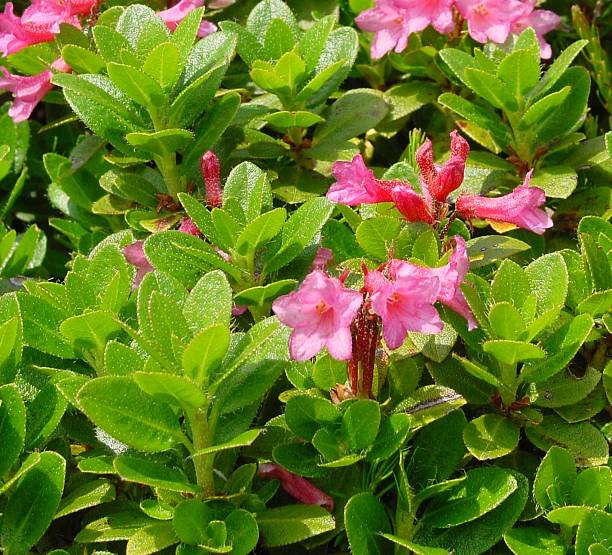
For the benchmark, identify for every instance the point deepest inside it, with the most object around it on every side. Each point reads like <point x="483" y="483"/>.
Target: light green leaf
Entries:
<point x="152" y="473"/>
<point x="294" y="523"/>
<point x="365" y="520"/>
<point x="491" y="436"/>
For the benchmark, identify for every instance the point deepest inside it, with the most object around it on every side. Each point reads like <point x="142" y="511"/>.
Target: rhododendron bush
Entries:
<point x="305" y="277"/>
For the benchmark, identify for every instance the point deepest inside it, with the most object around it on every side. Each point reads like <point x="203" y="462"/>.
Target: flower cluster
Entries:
<point x="356" y="184"/>
<point x="392" y="21"/>
<point x="322" y="311"/>
<point x="40" y="22"/>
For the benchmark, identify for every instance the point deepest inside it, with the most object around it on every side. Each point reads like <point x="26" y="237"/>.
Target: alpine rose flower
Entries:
<point x="174" y="15"/>
<point x="412" y="205"/>
<point x="521" y="207"/>
<point x="299" y="488"/>
<point x="439" y="181"/>
<point x="490" y="19"/>
<point x="451" y="277"/>
<point x="211" y="173"/>
<point x="187" y="226"/>
<point x="356" y="184"/>
<point x="28" y="90"/>
<point x="135" y="255"/>
<point x="322" y="258"/>
<point x="438" y="13"/>
<point x="390" y="24"/>
<point x="404" y="302"/>
<point x="15" y="34"/>
<point x="542" y="22"/>
<point x="320" y="312"/>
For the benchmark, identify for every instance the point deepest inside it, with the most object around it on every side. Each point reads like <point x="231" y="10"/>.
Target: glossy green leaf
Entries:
<point x="491" y="436"/>
<point x="152" y="473"/>
<point x="293" y="523"/>
<point x="365" y="520"/>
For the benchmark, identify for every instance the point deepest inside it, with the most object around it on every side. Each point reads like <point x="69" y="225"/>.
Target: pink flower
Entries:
<point x="451" y="277"/>
<point x="390" y="24"/>
<point x="299" y="488"/>
<point x="438" y="13"/>
<point x="28" y="90"/>
<point x="15" y="34"/>
<point x="356" y="184"/>
<point x="542" y="22"/>
<point x="322" y="258"/>
<point x="320" y="312"/>
<point x="521" y="207"/>
<point x="174" y="15"/>
<point x="413" y="206"/>
<point x="404" y="302"/>
<point x="211" y="172"/>
<point x="135" y="255"/>
<point x="490" y="19"/>
<point x="438" y="181"/>
<point x="187" y="226"/>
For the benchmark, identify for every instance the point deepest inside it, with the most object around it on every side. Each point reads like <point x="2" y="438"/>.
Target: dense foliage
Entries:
<point x="306" y="277"/>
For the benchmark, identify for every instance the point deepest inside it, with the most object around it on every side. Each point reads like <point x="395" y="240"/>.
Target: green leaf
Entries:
<point x="264" y="294"/>
<point x="90" y="331"/>
<point x="506" y="321"/>
<point x="486" y="119"/>
<point x="285" y="120"/>
<point x="549" y="281"/>
<point x="152" y="473"/>
<point x="12" y="426"/>
<point x="365" y="520"/>
<point x="161" y="143"/>
<point x="44" y="413"/>
<point x="360" y="423"/>
<point x="520" y="70"/>
<point x="341" y="123"/>
<point x="227" y="228"/>
<point x="186" y="32"/>
<point x="304" y="414"/>
<point x="87" y="495"/>
<point x="457" y="61"/>
<point x="190" y="520"/>
<point x="565" y="388"/>
<point x="491" y="436"/>
<point x="511" y="352"/>
<point x="531" y="540"/>
<point x="174" y="390"/>
<point x="557" y="69"/>
<point x="81" y="59"/>
<point x="413" y="547"/>
<point x="293" y="523"/>
<point x="261" y="230"/>
<point x="204" y="353"/>
<point x="143" y="29"/>
<point x="313" y="41"/>
<point x="162" y="65"/>
<point x="562" y="346"/>
<point x="242" y="440"/>
<point x="586" y="443"/>
<point x="483" y="490"/>
<point x="137" y="85"/>
<point x="151" y="539"/>
<point x="556" y="182"/>
<point x="32" y="504"/>
<point x="438" y="450"/>
<point x="109" y="42"/>
<point x="491" y="89"/>
<point x="540" y="113"/>
<point x="595" y="527"/>
<point x="264" y="13"/>
<point x="376" y="235"/>
<point x="597" y="304"/>
<point x="597" y="262"/>
<point x="593" y="487"/>
<point x="489" y="248"/>
<point x="127" y="413"/>
<point x="429" y="403"/>
<point x="242" y="531"/>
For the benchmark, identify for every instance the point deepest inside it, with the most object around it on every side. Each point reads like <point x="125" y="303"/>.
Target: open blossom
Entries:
<point x="542" y="22"/>
<point x="413" y="206"/>
<point x="355" y="184"/>
<point x="404" y="302"/>
<point x="174" y="15"/>
<point x="490" y="19"/>
<point x="438" y="181"/>
<point x="320" y="312"/>
<point x="521" y="207"/>
<point x="15" y="34"/>
<point x="392" y="21"/>
<point x="299" y="488"/>
<point x="28" y="90"/>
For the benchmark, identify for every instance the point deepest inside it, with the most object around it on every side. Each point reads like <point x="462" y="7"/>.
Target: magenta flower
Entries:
<point x="413" y="206"/>
<point x="438" y="13"/>
<point x="356" y="184"/>
<point x="437" y="181"/>
<point x="521" y="207"/>
<point x="135" y="255"/>
<point x="390" y="24"/>
<point x="490" y="19"/>
<point x="451" y="277"/>
<point x="28" y="90"/>
<point x="187" y="226"/>
<point x="404" y="302"/>
<point x="299" y="488"/>
<point x="15" y="34"/>
<point x="174" y="15"/>
<point x="322" y="259"/>
<point x="320" y="312"/>
<point x="211" y="173"/>
<point x="542" y="22"/>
